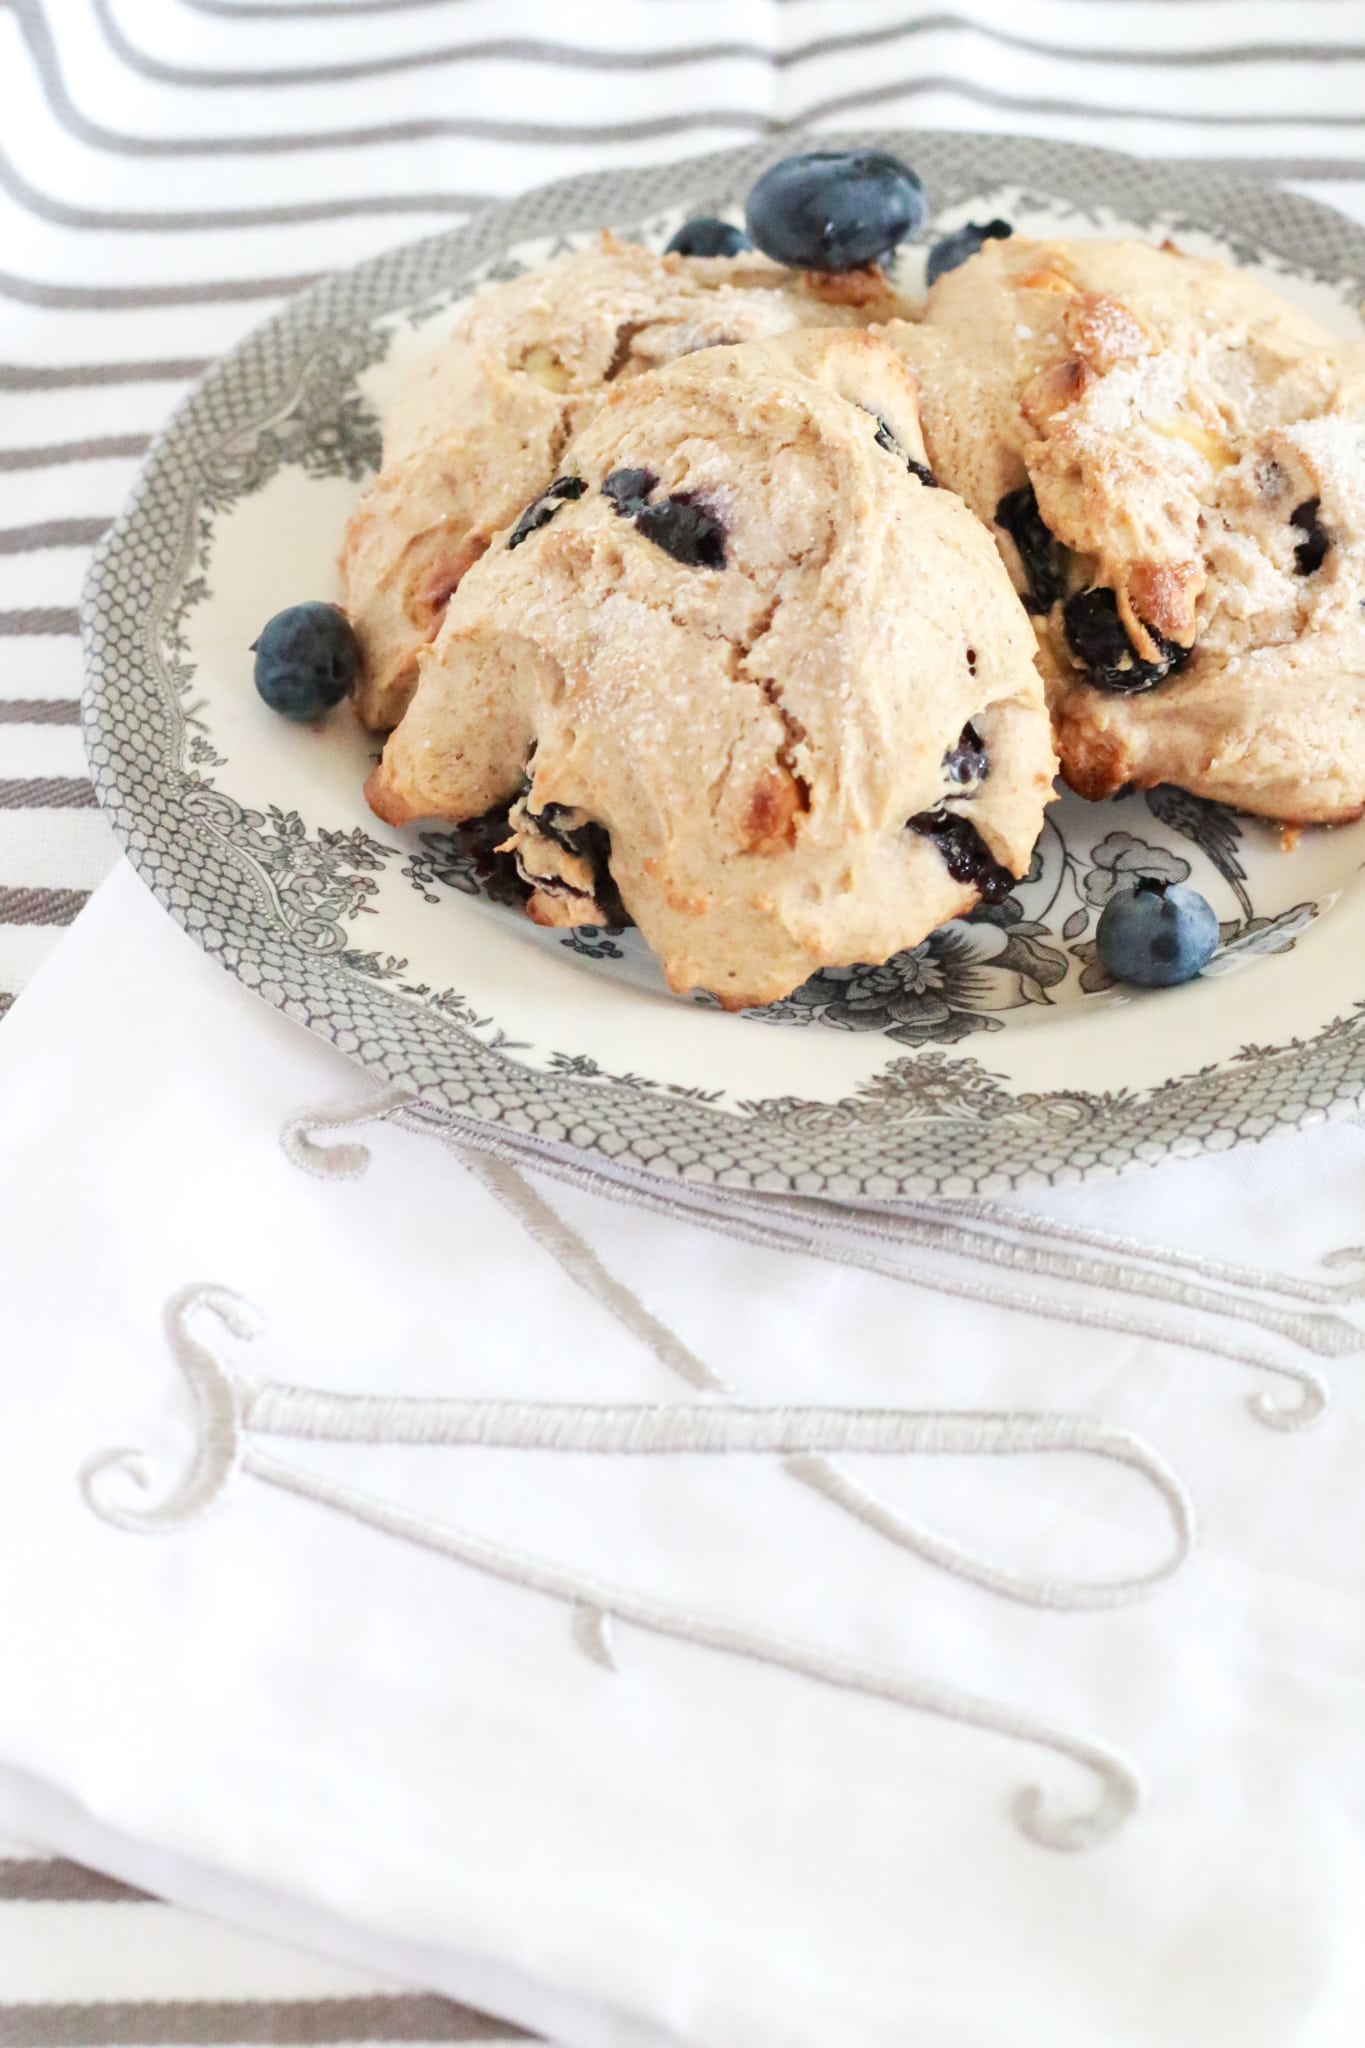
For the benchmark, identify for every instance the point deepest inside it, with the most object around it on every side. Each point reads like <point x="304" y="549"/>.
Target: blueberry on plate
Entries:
<point x="1156" y="934"/>
<point x="307" y="660"/>
<point x="708" y="236"/>
<point x="963" y="242"/>
<point x="835" y="209"/>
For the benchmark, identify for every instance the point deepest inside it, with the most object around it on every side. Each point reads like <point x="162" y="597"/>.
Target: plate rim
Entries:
<point x="932" y="1122"/>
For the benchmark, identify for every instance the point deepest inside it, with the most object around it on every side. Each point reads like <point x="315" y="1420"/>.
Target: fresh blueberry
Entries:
<point x="307" y="659"/>
<point x="835" y="209"/>
<point x="1102" y="647"/>
<point x="955" y="248"/>
<point x="1156" y="934"/>
<point x="708" y="236"/>
<point x="685" y="530"/>
<point x="1018" y="513"/>
<point x="965" y="853"/>
<point x="1311" y="552"/>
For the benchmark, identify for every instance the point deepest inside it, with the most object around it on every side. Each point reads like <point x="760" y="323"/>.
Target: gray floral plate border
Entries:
<point x="928" y="1123"/>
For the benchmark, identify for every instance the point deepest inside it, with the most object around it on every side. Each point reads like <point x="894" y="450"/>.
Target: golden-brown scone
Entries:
<point x="1173" y="458"/>
<point x="766" y="682"/>
<point x="480" y="426"/>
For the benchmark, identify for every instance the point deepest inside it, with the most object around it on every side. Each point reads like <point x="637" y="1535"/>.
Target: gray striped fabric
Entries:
<point x="169" y="171"/>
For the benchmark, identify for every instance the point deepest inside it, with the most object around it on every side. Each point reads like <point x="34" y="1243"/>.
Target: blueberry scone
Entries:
<point x="743" y="672"/>
<point x="1174" y="463"/>
<point x="481" y="425"/>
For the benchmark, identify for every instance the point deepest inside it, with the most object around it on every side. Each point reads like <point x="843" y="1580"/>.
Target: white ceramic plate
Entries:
<point x="985" y="1060"/>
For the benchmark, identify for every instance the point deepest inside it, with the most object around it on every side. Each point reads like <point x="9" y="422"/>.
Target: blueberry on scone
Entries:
<point x="1099" y="640"/>
<point x="685" y="529"/>
<point x="885" y="438"/>
<point x="756" y="679"/>
<point x="1311" y="552"/>
<point x="542" y="510"/>
<point x="629" y="490"/>
<point x="708" y="236"/>
<point x="964" y="242"/>
<point x="1040" y="559"/>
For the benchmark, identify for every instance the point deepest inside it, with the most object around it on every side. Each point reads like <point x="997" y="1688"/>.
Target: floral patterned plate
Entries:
<point x="992" y="1057"/>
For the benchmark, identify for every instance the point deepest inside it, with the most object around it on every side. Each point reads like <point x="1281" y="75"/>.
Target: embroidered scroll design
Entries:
<point x="592" y="1632"/>
<point x="218" y="1441"/>
<point x="987" y="1238"/>
<point x="344" y="1161"/>
<point x="812" y="1469"/>
<point x="233" y="1412"/>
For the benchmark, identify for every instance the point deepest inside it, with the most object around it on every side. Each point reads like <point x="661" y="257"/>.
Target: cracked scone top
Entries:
<point x="1174" y="460"/>
<point x="746" y="649"/>
<point x="481" y="423"/>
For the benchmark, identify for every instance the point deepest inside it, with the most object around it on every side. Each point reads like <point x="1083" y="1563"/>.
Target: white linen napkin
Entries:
<point x="646" y="1631"/>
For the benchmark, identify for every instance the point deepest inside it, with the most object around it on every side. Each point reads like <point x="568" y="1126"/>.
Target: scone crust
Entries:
<point x="1183" y="431"/>
<point x="482" y="423"/>
<point x="754" y="738"/>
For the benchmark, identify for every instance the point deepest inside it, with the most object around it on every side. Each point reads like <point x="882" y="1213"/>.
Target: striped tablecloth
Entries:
<point x="170" y="170"/>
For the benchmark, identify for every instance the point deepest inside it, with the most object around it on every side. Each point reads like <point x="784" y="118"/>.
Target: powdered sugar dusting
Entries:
<point x="1150" y="389"/>
<point x="1334" y="445"/>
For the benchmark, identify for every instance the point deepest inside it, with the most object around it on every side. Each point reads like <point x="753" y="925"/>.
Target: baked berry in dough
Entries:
<point x="481" y="425"/>
<point x="745" y="666"/>
<point x="1173" y="459"/>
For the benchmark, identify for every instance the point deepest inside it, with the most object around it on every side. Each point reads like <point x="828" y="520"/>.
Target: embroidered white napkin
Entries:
<point x="646" y="1631"/>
